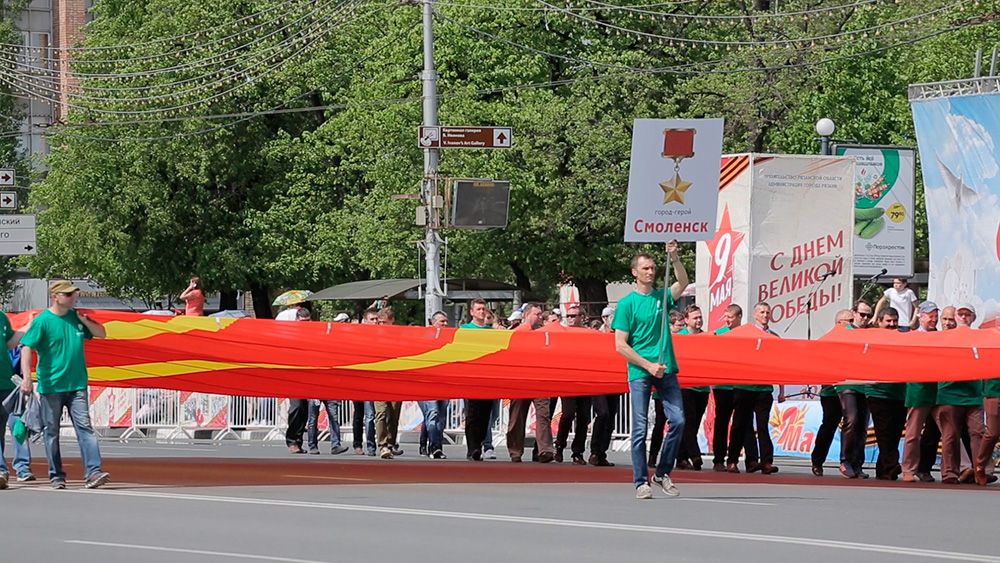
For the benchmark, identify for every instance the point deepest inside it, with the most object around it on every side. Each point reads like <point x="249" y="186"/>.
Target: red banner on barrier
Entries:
<point x="371" y="362"/>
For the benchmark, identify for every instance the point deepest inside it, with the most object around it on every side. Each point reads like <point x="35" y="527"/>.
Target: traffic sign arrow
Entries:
<point x="7" y="176"/>
<point x="7" y="200"/>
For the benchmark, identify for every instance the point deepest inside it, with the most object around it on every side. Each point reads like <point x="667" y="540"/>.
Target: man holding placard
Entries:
<point x="673" y="195"/>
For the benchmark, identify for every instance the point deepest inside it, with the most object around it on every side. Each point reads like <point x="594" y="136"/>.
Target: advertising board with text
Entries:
<point x="784" y="237"/>
<point x="673" y="180"/>
<point x="884" y="204"/>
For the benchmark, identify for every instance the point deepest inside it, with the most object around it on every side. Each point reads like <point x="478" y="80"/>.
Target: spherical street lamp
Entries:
<point x="825" y="128"/>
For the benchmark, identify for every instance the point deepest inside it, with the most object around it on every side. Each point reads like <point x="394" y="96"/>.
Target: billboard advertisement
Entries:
<point x="959" y="152"/>
<point x="884" y="200"/>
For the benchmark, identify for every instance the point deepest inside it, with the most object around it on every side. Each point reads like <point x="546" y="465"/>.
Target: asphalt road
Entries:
<point x="165" y="503"/>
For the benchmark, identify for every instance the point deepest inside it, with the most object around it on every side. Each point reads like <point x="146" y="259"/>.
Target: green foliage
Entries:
<point x="304" y="199"/>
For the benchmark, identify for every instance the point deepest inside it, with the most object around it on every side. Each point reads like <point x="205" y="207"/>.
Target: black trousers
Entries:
<point x="889" y="420"/>
<point x="298" y="415"/>
<point x="477" y="423"/>
<point x="855" y="429"/>
<point x="929" y="440"/>
<point x="695" y="403"/>
<point x="723" y="415"/>
<point x="750" y="407"/>
<point x="574" y="409"/>
<point x="605" y="411"/>
<point x="358" y="423"/>
<point x="832" y="415"/>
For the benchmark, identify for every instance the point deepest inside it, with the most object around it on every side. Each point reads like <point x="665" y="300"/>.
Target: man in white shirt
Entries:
<point x="903" y="300"/>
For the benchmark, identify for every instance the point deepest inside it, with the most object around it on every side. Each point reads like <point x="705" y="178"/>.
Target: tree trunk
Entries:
<point x="227" y="300"/>
<point x="261" y="301"/>
<point x="594" y="293"/>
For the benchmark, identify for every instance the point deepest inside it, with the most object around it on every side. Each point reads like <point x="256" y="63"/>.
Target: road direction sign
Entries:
<point x="17" y="235"/>
<point x="8" y="200"/>
<point x="464" y="137"/>
<point x="7" y="177"/>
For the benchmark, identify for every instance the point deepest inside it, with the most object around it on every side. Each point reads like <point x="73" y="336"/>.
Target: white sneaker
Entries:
<point x="643" y="491"/>
<point x="668" y="486"/>
<point x="489" y="454"/>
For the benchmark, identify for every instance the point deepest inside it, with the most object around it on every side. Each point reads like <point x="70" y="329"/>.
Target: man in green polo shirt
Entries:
<point x="752" y="404"/>
<point x="695" y="401"/>
<point x="723" y="397"/>
<point x="57" y="334"/>
<point x="887" y="403"/>
<point x="854" y="430"/>
<point x="920" y="400"/>
<point x="477" y="411"/>
<point x="641" y="339"/>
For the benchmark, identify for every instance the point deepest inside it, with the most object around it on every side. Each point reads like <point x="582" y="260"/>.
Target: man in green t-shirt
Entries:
<point x="57" y="334"/>
<point x="22" y="454"/>
<point x="641" y="339"/>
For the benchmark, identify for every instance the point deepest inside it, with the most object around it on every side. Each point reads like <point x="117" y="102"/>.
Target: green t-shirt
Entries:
<point x="992" y="387"/>
<point x="719" y="331"/>
<point x="704" y="388"/>
<point x="641" y="316"/>
<point x="827" y="391"/>
<point x="6" y="369"/>
<point x="963" y="393"/>
<point x="58" y="343"/>
<point x="921" y="394"/>
<point x="474" y="325"/>
<point x="890" y="391"/>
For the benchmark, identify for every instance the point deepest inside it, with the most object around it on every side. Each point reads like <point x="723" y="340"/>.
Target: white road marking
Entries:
<point x="192" y="551"/>
<point x="327" y="477"/>
<point x="723" y="501"/>
<point x="584" y="524"/>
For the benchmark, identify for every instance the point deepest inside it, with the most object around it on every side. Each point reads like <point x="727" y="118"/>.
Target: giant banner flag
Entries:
<point x="372" y="362"/>
<point x="785" y="237"/>
<point x="959" y="141"/>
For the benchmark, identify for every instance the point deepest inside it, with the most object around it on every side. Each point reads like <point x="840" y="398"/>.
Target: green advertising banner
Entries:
<point x="883" y="209"/>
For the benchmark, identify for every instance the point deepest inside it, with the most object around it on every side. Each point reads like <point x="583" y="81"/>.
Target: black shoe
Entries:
<point x="719" y="467"/>
<point x="697" y="463"/>
<point x="685" y="464"/>
<point x="545" y="457"/>
<point x="603" y="462"/>
<point x="438" y="454"/>
<point x="578" y="459"/>
<point x="477" y="455"/>
<point x="423" y="450"/>
<point x="559" y="455"/>
<point x="753" y="467"/>
<point x="817" y="470"/>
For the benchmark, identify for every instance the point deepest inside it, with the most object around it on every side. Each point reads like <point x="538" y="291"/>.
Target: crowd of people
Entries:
<point x="962" y="416"/>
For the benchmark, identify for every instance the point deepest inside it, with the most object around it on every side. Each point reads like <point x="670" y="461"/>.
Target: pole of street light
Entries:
<point x="432" y="241"/>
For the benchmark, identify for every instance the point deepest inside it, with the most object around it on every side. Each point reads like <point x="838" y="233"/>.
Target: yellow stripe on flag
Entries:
<point x="146" y="328"/>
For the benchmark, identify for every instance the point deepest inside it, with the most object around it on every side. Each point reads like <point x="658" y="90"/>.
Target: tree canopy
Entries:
<point x="258" y="144"/>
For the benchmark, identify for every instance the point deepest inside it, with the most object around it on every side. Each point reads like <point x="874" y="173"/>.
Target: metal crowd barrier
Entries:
<point x="163" y="414"/>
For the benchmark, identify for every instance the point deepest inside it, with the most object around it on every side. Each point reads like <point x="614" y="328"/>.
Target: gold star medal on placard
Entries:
<point x="673" y="189"/>
<point x="678" y="144"/>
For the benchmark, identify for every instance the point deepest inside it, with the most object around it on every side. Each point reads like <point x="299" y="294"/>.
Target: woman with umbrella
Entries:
<point x="293" y="299"/>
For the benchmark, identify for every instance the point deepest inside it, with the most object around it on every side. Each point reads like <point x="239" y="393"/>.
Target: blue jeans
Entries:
<point x="370" y="427"/>
<point x="76" y="403"/>
<point x="22" y="453"/>
<point x="312" y="423"/>
<point x="494" y="415"/>
<point x="673" y="408"/>
<point x="434" y="417"/>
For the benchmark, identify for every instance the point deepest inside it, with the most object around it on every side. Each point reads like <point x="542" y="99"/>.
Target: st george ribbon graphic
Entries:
<point x="394" y="363"/>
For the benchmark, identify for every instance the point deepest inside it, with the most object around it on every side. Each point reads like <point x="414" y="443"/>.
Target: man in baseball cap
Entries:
<point x="965" y="315"/>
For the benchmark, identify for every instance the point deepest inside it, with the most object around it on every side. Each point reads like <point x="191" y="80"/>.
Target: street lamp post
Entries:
<point x="825" y="128"/>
